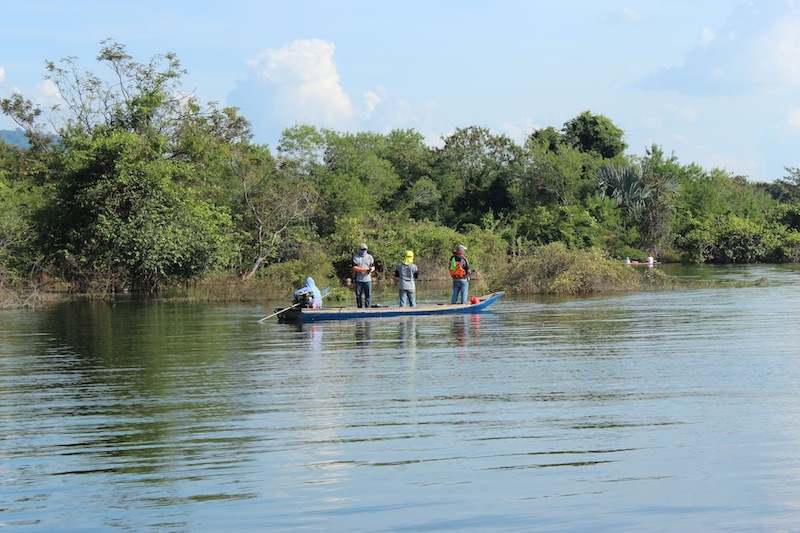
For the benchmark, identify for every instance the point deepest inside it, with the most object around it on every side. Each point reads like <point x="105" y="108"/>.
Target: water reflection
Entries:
<point x="407" y="333"/>
<point x="466" y="329"/>
<point x="573" y="414"/>
<point x="312" y="333"/>
<point x="137" y="391"/>
<point x="363" y="334"/>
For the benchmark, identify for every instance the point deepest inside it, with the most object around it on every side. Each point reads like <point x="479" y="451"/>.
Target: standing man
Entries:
<point x="459" y="271"/>
<point x="407" y="272"/>
<point x="363" y="266"/>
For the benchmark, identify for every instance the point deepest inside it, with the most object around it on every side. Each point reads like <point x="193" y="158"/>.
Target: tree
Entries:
<point x="624" y="185"/>
<point x="28" y="116"/>
<point x="786" y="189"/>
<point x="305" y="145"/>
<point x="481" y="167"/>
<point x="550" y="175"/>
<point x="349" y="176"/>
<point x="549" y="138"/>
<point x="660" y="176"/>
<point x="19" y="197"/>
<point x="141" y="98"/>
<point x="730" y="239"/>
<point x="646" y="191"/>
<point x="121" y="219"/>
<point x="594" y="133"/>
<point x="354" y="161"/>
<point x="707" y="194"/>
<point x="279" y="204"/>
<point x="412" y="161"/>
<point x="128" y="211"/>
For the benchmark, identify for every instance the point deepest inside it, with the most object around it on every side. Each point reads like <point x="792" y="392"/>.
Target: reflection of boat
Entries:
<point x="306" y="314"/>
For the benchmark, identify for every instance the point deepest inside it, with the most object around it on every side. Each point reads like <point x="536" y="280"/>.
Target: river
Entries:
<point x="659" y="411"/>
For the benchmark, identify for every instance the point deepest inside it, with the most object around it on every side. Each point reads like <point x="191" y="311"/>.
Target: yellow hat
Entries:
<point x="409" y="257"/>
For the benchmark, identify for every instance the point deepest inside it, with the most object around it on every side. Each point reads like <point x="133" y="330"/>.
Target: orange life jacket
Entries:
<point x="457" y="268"/>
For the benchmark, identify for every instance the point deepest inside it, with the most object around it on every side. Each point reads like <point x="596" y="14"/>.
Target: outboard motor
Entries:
<point x="303" y="299"/>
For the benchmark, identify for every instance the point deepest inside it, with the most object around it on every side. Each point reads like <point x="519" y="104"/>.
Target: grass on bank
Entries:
<point x="552" y="269"/>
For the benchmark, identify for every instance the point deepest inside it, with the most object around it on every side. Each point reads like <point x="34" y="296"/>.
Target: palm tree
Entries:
<point x="645" y="190"/>
<point x="624" y="184"/>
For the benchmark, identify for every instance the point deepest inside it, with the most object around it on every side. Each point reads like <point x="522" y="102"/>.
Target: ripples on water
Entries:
<point x="674" y="411"/>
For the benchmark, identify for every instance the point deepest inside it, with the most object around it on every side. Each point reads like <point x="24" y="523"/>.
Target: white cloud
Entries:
<point x="519" y="132"/>
<point x="745" y="166"/>
<point x="371" y="101"/>
<point x="49" y="92"/>
<point x="630" y="15"/>
<point x="2" y="74"/>
<point x="794" y="117"/>
<point x="707" y="36"/>
<point x="304" y="76"/>
<point x="625" y="15"/>
<point x="685" y="113"/>
<point x="754" y="51"/>
<point x="777" y="50"/>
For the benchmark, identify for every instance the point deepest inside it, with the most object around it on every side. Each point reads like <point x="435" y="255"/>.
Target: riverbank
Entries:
<point x="552" y="274"/>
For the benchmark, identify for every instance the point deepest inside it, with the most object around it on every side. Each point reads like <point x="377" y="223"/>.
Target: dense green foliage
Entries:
<point x="146" y="188"/>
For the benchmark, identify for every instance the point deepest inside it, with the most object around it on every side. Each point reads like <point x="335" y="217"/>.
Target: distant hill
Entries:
<point x="15" y="137"/>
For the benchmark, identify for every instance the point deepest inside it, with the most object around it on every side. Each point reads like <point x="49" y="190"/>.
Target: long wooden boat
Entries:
<point x="306" y="314"/>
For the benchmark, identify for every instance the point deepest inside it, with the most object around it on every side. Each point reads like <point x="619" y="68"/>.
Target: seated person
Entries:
<point x="308" y="295"/>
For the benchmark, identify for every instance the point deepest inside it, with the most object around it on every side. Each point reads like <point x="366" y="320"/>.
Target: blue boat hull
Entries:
<point x="346" y="313"/>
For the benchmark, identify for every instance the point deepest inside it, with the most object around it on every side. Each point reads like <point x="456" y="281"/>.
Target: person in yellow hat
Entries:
<point x="406" y="272"/>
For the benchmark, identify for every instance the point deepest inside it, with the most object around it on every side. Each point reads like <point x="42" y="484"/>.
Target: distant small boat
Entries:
<point x="307" y="314"/>
<point x="650" y="262"/>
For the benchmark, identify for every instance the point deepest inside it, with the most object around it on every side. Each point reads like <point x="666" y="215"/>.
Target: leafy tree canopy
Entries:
<point x="595" y="133"/>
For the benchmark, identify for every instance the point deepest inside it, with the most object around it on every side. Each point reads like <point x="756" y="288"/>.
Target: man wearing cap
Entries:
<point x="363" y="266"/>
<point x="406" y="272"/>
<point x="459" y="271"/>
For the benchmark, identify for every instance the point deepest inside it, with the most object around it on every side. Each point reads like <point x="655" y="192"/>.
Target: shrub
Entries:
<point x="554" y="269"/>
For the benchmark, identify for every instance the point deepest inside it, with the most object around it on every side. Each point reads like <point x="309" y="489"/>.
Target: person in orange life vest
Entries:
<point x="459" y="271"/>
<point x="363" y="267"/>
<point x="407" y="272"/>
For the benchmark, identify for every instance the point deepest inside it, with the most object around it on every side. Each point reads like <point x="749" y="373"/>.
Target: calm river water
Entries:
<point x="666" y="411"/>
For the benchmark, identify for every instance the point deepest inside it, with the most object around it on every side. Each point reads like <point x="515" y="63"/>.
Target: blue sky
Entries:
<point x="716" y="82"/>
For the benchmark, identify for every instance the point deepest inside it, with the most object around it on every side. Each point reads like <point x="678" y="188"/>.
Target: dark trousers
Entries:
<point x="363" y="293"/>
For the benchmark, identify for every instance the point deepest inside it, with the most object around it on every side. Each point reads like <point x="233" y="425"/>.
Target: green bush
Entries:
<point x="555" y="269"/>
<point x="788" y="249"/>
